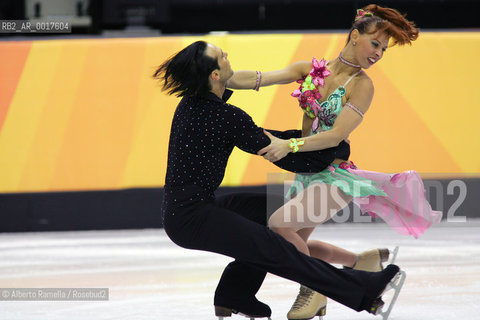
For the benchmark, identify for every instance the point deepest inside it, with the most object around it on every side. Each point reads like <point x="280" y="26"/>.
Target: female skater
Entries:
<point x="335" y="96"/>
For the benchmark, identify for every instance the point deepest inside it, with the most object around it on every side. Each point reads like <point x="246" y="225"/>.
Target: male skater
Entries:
<point x="205" y="129"/>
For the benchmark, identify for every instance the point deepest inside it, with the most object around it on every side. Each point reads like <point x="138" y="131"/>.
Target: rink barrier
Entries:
<point x="141" y="208"/>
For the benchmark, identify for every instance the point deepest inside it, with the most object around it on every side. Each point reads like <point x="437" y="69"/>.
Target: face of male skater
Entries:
<point x="370" y="47"/>
<point x="225" y="71"/>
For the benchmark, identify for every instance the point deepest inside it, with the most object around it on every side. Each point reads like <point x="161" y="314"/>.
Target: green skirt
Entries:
<point x="349" y="183"/>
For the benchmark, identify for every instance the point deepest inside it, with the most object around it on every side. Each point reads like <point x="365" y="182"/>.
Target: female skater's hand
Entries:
<point x="276" y="150"/>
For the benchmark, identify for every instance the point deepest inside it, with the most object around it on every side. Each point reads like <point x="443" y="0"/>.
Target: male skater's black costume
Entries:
<point x="204" y="131"/>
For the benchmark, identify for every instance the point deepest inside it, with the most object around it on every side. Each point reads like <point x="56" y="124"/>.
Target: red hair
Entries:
<point x="387" y="20"/>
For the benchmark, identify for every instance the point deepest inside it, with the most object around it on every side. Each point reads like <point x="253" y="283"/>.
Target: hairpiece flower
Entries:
<point x="363" y="13"/>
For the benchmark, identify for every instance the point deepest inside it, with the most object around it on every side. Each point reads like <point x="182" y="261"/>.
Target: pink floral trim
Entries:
<point x="308" y="94"/>
<point x="346" y="165"/>
<point x="319" y="72"/>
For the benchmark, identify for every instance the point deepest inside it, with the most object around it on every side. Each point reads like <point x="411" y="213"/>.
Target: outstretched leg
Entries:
<point x="209" y="227"/>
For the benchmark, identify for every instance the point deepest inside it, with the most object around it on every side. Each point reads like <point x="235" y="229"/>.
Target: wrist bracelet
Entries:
<point x="295" y="144"/>
<point x="259" y="80"/>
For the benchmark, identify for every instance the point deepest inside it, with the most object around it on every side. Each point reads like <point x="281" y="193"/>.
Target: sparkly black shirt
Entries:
<point x="204" y="131"/>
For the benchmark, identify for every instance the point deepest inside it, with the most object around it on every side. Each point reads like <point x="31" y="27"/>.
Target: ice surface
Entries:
<point x="149" y="277"/>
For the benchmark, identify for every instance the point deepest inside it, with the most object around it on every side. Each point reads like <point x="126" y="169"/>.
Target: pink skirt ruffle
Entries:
<point x="405" y="209"/>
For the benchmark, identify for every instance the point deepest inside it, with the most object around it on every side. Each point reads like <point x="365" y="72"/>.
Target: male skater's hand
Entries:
<point x="276" y="150"/>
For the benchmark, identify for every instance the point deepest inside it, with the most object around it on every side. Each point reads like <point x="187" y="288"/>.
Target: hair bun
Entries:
<point x="392" y="22"/>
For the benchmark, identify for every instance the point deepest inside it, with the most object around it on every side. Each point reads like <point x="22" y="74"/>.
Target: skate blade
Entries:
<point x="241" y="314"/>
<point x="396" y="284"/>
<point x="250" y="317"/>
<point x="253" y="318"/>
<point x="394" y="255"/>
<point x="222" y="313"/>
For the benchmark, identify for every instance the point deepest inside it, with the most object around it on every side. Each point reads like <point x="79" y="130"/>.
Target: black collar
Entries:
<point x="226" y="95"/>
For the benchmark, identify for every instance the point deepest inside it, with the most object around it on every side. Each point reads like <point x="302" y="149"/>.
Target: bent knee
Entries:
<point x="275" y="225"/>
<point x="282" y="230"/>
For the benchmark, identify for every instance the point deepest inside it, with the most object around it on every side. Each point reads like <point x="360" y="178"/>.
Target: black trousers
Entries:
<point x="235" y="226"/>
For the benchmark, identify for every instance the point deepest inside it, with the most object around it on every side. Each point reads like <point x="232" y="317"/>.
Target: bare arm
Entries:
<point x="346" y="122"/>
<point x="246" y="79"/>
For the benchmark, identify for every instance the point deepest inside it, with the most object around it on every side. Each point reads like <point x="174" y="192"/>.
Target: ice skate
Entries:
<point x="372" y="260"/>
<point x="222" y="313"/>
<point x="378" y="304"/>
<point x="252" y="310"/>
<point x="308" y="304"/>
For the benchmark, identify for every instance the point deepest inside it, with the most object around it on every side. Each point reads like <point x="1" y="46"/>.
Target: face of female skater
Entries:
<point x="225" y="71"/>
<point x="369" y="48"/>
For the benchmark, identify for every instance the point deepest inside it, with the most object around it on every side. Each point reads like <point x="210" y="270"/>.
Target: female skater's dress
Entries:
<point x="399" y="199"/>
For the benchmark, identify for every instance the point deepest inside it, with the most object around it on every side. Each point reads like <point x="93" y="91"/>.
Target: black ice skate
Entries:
<point x="252" y="309"/>
<point x="222" y="312"/>
<point x="396" y="285"/>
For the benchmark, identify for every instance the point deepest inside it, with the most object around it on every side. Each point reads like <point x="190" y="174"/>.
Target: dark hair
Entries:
<point x="186" y="72"/>
<point x="387" y="20"/>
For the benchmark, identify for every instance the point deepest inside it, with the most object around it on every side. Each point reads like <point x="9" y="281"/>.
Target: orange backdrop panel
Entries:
<point x="86" y="114"/>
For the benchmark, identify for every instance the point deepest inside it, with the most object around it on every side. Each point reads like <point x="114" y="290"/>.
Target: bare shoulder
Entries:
<point x="361" y="94"/>
<point x="364" y="84"/>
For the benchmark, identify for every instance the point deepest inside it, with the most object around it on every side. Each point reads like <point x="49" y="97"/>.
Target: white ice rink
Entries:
<point x="150" y="278"/>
